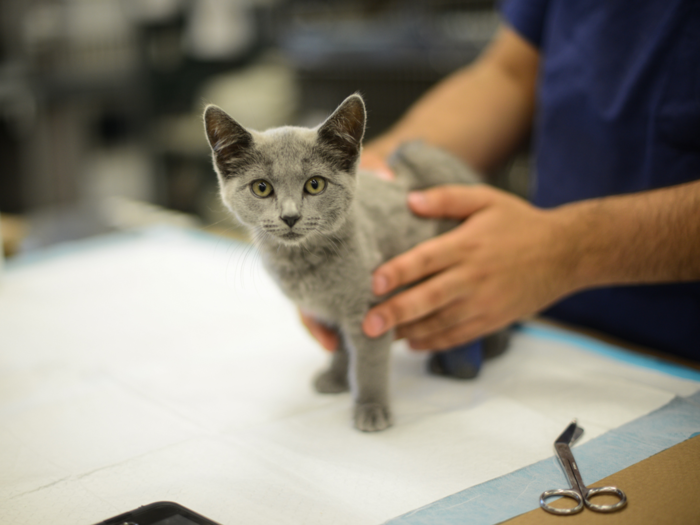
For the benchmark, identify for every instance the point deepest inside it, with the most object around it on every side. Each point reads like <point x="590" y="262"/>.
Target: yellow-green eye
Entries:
<point x="261" y="188"/>
<point x="315" y="185"/>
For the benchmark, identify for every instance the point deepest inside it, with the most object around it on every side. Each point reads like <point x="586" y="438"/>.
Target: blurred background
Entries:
<point x="101" y="100"/>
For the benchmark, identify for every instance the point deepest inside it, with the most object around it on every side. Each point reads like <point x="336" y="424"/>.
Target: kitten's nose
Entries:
<point x="291" y="220"/>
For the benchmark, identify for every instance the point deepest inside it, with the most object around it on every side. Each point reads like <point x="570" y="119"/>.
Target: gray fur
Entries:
<point x="342" y="234"/>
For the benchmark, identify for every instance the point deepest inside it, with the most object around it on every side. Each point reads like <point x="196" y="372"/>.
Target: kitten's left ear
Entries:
<point x="344" y="129"/>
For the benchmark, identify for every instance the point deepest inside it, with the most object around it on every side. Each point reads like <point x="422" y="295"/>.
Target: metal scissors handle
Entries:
<point x="578" y="491"/>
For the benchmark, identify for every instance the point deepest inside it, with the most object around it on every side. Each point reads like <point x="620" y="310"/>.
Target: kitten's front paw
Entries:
<point x="330" y="382"/>
<point x="372" y="417"/>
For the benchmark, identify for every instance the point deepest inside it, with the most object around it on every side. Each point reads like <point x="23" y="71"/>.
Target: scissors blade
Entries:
<point x="570" y="435"/>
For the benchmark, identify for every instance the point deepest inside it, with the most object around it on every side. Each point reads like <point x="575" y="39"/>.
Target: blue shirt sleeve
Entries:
<point x="526" y="17"/>
<point x="618" y="112"/>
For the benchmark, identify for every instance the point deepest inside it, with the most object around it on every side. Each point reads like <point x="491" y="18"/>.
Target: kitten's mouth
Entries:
<point x="291" y="236"/>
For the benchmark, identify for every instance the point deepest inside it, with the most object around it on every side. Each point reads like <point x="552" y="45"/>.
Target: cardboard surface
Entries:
<point x="661" y="489"/>
<point x="519" y="492"/>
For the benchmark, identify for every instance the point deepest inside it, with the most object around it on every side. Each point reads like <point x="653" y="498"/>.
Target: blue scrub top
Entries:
<point x="618" y="112"/>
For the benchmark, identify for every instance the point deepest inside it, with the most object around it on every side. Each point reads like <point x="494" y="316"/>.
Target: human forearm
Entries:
<point x="649" y="237"/>
<point x="481" y="113"/>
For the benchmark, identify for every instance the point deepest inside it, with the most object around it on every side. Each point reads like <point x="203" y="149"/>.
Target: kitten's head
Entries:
<point x="288" y="183"/>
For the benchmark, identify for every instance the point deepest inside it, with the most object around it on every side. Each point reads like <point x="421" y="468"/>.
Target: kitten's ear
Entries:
<point x="229" y="141"/>
<point x="344" y="129"/>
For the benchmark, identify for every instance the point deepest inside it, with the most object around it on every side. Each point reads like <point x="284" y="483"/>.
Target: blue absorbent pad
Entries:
<point x="611" y="351"/>
<point x="671" y="424"/>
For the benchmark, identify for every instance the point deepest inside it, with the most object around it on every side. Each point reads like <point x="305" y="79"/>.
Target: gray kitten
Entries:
<point x="322" y="227"/>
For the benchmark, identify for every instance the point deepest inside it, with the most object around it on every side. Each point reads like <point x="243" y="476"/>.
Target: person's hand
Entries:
<point x="375" y="163"/>
<point x="325" y="336"/>
<point x="502" y="263"/>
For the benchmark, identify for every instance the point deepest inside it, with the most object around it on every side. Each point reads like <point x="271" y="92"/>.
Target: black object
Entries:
<point x="461" y="362"/>
<point x="159" y="513"/>
<point x="464" y="361"/>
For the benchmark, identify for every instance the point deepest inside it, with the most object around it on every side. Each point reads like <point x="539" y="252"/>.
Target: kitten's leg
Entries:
<point x="335" y="379"/>
<point x="369" y="378"/>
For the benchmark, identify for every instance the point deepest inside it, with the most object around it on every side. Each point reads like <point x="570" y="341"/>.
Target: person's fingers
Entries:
<point x="425" y="259"/>
<point x="456" y="335"/>
<point x="416" y="302"/>
<point x="377" y="165"/>
<point x="440" y="252"/>
<point x="451" y="201"/>
<point x="325" y="336"/>
<point x="451" y="315"/>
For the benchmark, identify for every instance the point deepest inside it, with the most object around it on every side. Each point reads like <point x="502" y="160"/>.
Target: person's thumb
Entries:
<point x="451" y="201"/>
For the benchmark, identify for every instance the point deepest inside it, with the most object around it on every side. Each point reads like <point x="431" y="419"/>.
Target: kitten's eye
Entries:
<point x="261" y="188"/>
<point x="315" y="185"/>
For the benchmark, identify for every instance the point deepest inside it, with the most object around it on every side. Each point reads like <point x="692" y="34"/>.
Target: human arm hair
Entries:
<point x="641" y="238"/>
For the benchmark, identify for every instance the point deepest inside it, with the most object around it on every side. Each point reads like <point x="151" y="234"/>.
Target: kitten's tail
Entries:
<point x="420" y="165"/>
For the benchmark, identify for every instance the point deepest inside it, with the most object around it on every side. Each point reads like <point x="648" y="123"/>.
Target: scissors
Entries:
<point x="578" y="491"/>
